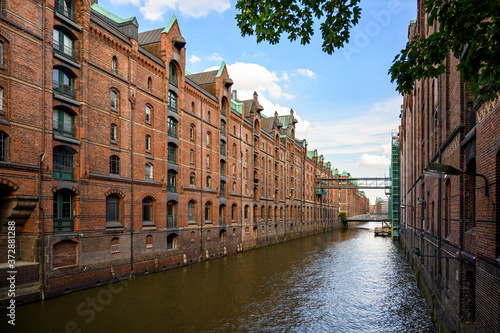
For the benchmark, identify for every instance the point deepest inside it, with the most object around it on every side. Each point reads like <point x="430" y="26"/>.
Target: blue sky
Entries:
<point x="345" y="102"/>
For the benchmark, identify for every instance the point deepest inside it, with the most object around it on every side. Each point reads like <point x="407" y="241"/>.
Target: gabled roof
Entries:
<point x="170" y="24"/>
<point x="150" y="37"/>
<point x="204" y="77"/>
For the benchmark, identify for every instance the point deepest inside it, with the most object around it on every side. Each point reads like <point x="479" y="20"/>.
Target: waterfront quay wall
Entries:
<point x="98" y="266"/>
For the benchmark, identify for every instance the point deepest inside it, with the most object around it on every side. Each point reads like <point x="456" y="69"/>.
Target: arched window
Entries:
<point x="114" y="100"/>
<point x="63" y="211"/>
<point x="222" y="168"/>
<point x="191" y="207"/>
<point x="172" y="241"/>
<point x="171" y="214"/>
<point x="234" y="187"/>
<point x="222" y="235"/>
<point x="64" y="44"/>
<point x="234" y="149"/>
<point x="222" y="148"/>
<point x="149" y="241"/>
<point x="208" y="139"/>
<point x="4" y="147"/>
<point x="172" y="74"/>
<point x="222" y="215"/>
<point x="148" y="143"/>
<point x="147" y="211"/>
<point x="148" y="114"/>
<point x="223" y="109"/>
<point x="208" y="212"/>
<point x="172" y="127"/>
<point x="208" y="118"/>
<point x="171" y="181"/>
<point x="246" y="212"/>
<point x="114" y="64"/>
<point x="192" y="132"/>
<point x="209" y="182"/>
<point x="114" y="133"/>
<point x="191" y="156"/>
<point x="1" y="89"/>
<point x="172" y="153"/>
<point x="63" y="83"/>
<point x="223" y="127"/>
<point x="208" y="161"/>
<point x="233" y="212"/>
<point x="62" y="163"/>
<point x="114" y="165"/>
<point x="193" y="109"/>
<point x="149" y="171"/>
<point x="63" y="122"/>
<point x="113" y="216"/>
<point x="222" y="189"/>
<point x="150" y="84"/>
<point x="172" y="101"/>
<point x="192" y="179"/>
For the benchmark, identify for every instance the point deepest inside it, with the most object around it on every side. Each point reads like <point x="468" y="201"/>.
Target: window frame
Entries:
<point x="114" y="165"/>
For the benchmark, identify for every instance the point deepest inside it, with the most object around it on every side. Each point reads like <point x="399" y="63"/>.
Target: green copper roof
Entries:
<point x="285" y="120"/>
<point x="109" y="14"/>
<point x="188" y="72"/>
<point x="413" y="21"/>
<point x="221" y="68"/>
<point x="344" y="174"/>
<point x="237" y="106"/>
<point x="170" y="24"/>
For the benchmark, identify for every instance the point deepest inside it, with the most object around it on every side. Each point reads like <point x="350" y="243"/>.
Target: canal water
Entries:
<point x="339" y="281"/>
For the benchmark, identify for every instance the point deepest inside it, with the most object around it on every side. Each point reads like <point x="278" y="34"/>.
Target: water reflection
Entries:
<point x="343" y="281"/>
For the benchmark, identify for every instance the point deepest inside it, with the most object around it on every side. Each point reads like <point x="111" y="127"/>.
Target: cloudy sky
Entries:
<point x="345" y="103"/>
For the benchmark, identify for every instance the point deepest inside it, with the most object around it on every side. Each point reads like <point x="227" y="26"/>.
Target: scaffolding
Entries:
<point x="395" y="196"/>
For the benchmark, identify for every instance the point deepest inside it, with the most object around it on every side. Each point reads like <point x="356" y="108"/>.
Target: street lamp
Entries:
<point x="438" y="170"/>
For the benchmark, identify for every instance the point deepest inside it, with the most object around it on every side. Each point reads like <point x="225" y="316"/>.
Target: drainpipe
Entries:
<point x="241" y="180"/>
<point x="40" y="160"/>
<point x="201" y="187"/>
<point x="132" y="108"/>
<point x="440" y="184"/>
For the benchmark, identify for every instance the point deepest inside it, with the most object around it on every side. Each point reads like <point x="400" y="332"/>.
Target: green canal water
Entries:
<point x="340" y="281"/>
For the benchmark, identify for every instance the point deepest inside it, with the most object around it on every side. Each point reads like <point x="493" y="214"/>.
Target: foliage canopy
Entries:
<point x="469" y="29"/>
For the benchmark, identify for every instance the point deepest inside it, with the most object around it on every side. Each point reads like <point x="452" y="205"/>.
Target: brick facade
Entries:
<point x="452" y="219"/>
<point x="116" y="161"/>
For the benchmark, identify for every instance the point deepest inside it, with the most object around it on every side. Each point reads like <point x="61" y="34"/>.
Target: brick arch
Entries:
<point x="116" y="192"/>
<point x="11" y="184"/>
<point x="73" y="189"/>
<point x="149" y="195"/>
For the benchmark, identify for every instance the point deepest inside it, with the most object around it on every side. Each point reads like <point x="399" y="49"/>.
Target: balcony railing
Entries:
<point x="63" y="225"/>
<point x="63" y="89"/>
<point x="63" y="128"/>
<point x="171" y="221"/>
<point x="172" y="157"/>
<point x="63" y="172"/>
<point x="171" y="188"/>
<point x="172" y="130"/>
<point x="63" y="9"/>
<point x="65" y="50"/>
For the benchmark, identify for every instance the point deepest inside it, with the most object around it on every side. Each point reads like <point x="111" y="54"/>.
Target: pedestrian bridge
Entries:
<point x="372" y="217"/>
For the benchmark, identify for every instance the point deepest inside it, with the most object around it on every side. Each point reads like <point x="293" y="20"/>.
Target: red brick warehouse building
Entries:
<point x="116" y="161"/>
<point x="453" y="221"/>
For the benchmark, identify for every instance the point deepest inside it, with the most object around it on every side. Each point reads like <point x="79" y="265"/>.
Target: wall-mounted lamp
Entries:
<point x="438" y="170"/>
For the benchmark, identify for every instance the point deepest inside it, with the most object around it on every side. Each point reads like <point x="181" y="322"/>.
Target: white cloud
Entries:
<point x="215" y="57"/>
<point x="154" y="9"/>
<point x="306" y="72"/>
<point x="374" y="161"/>
<point x="249" y="77"/>
<point x="194" y="59"/>
<point x="125" y="2"/>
